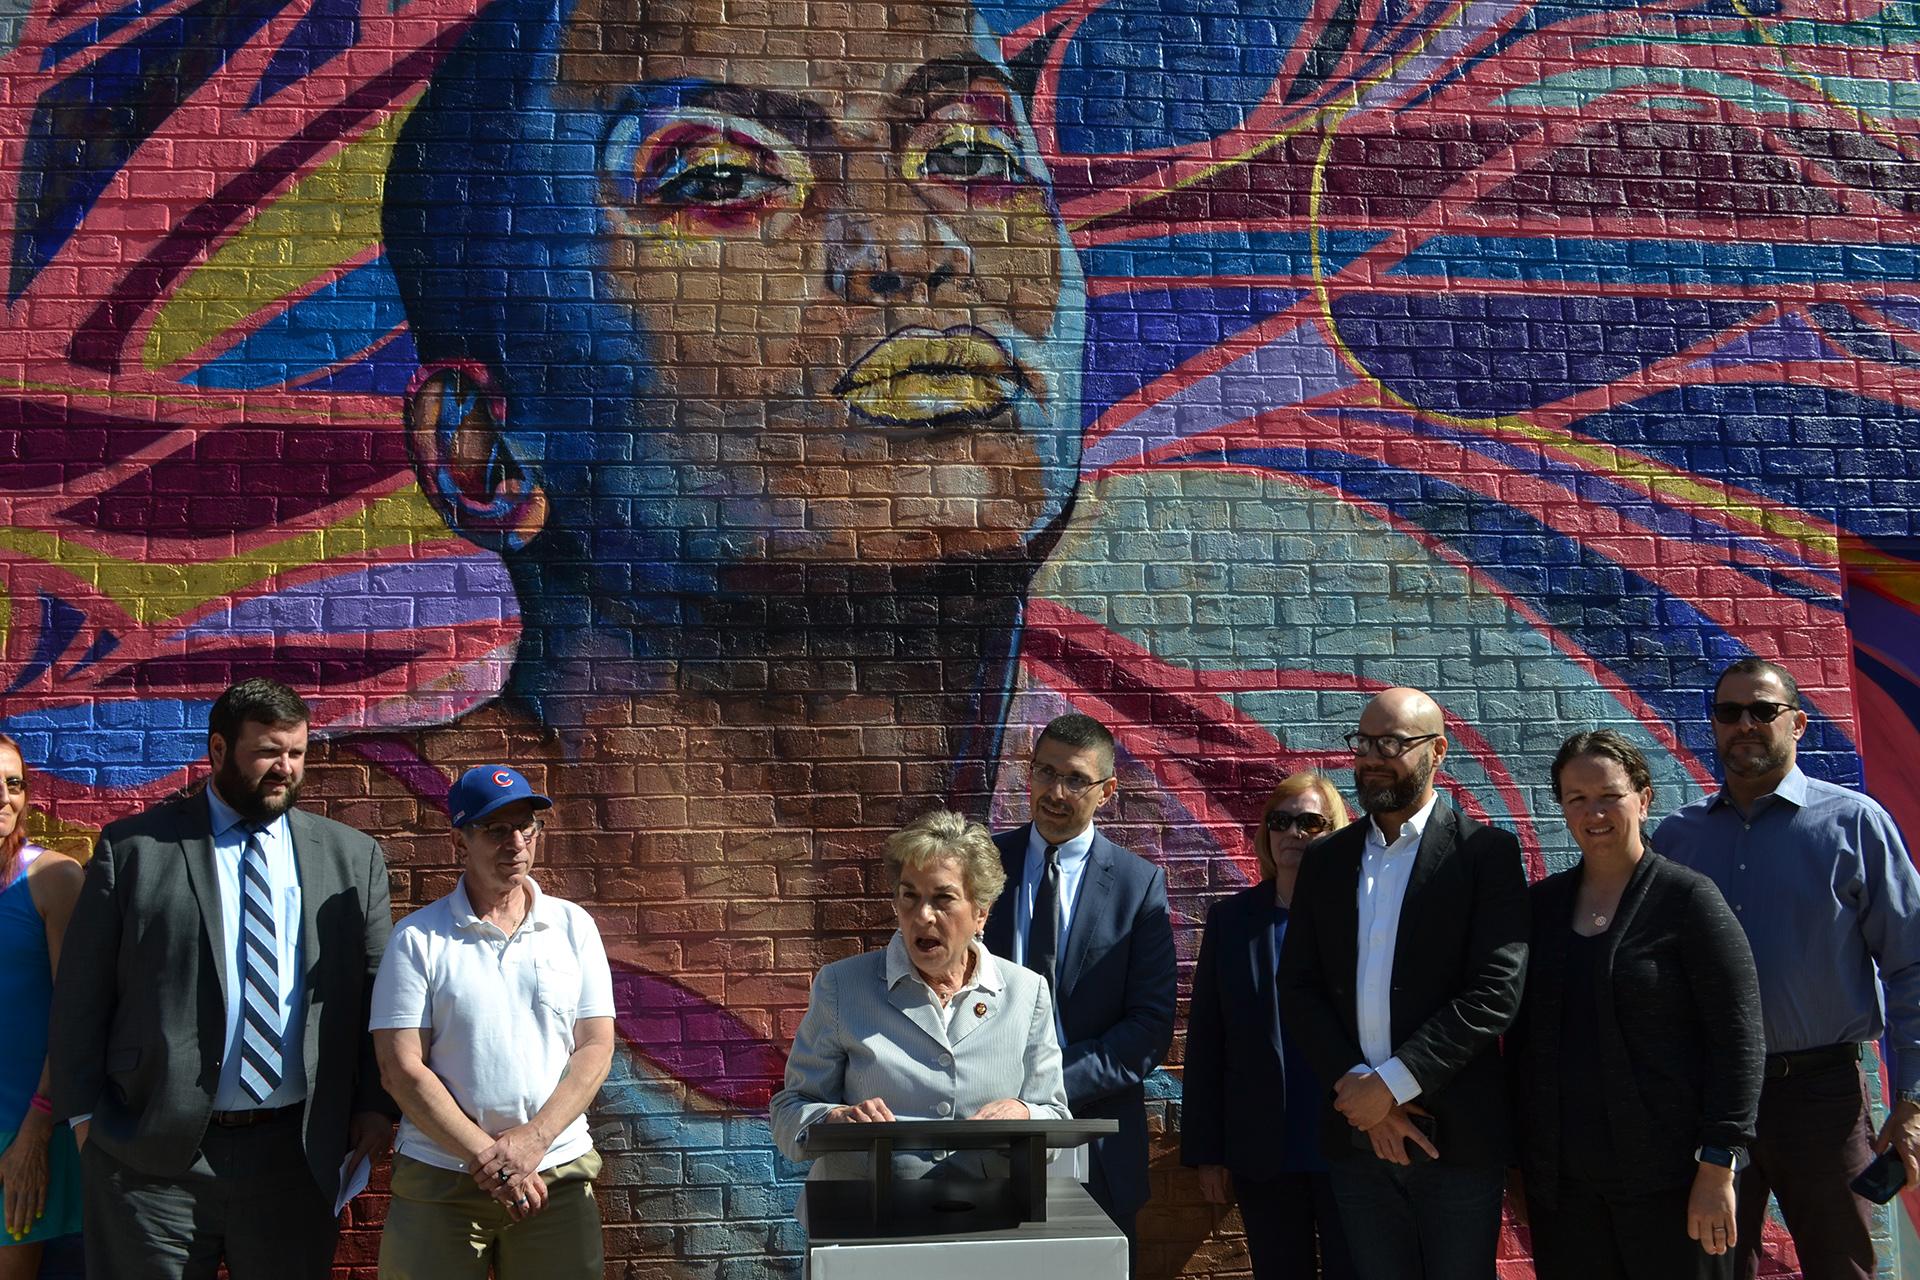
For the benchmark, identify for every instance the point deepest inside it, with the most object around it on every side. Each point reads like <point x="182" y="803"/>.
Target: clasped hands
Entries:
<point x="876" y="1111"/>
<point x="507" y="1170"/>
<point x="1368" y="1105"/>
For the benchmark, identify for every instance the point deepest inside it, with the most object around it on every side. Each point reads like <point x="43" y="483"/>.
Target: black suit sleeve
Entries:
<point x="1307" y="1011"/>
<point x="86" y="990"/>
<point x="1203" y="1082"/>
<point x="1496" y="968"/>
<point x="368" y="1094"/>
<point x="1126" y="1053"/>
<point x="1726" y="994"/>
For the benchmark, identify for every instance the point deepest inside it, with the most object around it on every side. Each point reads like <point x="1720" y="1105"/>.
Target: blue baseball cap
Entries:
<point x="487" y="787"/>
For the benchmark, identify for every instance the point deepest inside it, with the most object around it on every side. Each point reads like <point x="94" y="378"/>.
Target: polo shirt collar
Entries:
<point x="1792" y="789"/>
<point x="464" y="916"/>
<point x="986" y="972"/>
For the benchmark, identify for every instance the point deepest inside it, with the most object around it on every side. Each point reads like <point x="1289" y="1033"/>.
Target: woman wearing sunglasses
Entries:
<point x="1251" y="1121"/>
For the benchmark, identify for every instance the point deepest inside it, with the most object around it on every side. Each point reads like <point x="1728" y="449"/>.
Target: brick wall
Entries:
<point x="753" y="419"/>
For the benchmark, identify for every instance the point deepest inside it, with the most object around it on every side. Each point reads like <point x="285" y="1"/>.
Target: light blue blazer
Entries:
<point x="874" y="1030"/>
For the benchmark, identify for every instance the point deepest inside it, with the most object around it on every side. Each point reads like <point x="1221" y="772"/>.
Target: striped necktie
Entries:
<point x="260" y="1025"/>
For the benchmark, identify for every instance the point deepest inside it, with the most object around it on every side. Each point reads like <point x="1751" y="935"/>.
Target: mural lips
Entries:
<point x="922" y="377"/>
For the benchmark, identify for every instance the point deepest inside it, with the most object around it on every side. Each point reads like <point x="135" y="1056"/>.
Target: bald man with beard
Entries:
<point x="1402" y="966"/>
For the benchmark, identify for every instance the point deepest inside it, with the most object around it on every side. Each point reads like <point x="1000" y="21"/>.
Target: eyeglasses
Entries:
<point x="503" y="832"/>
<point x="1763" y="712"/>
<point x="1307" y="824"/>
<point x="1388" y="746"/>
<point x="1045" y="777"/>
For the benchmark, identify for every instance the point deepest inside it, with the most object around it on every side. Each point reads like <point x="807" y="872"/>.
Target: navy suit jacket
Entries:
<point x="1233" y="1109"/>
<point x="1115" y="992"/>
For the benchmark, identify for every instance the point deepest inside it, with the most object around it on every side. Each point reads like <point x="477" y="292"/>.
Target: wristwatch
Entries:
<point x="1908" y="1095"/>
<point x="1734" y="1158"/>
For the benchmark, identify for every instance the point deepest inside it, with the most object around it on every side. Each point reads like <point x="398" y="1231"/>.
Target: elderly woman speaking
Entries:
<point x="931" y="1026"/>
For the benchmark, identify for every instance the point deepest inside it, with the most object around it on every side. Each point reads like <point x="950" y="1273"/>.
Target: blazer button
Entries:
<point x="946" y="1059"/>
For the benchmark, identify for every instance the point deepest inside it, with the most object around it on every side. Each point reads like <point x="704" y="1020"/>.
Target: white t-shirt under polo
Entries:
<point x="498" y="1010"/>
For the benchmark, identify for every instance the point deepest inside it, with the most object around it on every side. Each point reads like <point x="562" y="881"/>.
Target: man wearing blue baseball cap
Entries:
<point x="493" y="1021"/>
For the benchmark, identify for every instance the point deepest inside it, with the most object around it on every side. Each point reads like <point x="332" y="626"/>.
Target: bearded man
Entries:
<point x="209" y="1040"/>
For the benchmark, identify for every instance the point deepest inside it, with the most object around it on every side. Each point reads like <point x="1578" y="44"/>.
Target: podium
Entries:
<point x="1021" y="1227"/>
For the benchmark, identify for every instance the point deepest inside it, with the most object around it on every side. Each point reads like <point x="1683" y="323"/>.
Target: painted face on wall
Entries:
<point x="836" y="317"/>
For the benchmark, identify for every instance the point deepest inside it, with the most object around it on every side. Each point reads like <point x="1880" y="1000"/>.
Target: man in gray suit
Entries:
<point x="209" y="1036"/>
<point x="1091" y="918"/>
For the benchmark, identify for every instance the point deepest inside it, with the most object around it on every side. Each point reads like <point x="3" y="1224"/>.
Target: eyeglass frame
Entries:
<point x="1377" y="742"/>
<point x="530" y="831"/>
<point x="1045" y="776"/>
<point x="1291" y="822"/>
<point x="1746" y="710"/>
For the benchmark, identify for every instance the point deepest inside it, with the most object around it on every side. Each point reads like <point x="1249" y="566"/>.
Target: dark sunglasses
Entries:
<point x="1307" y="824"/>
<point x="1762" y="712"/>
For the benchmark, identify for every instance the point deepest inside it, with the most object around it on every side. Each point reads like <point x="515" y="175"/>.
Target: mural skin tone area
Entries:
<point x="753" y="420"/>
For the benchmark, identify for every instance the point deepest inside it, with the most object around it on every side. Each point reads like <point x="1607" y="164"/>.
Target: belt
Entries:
<point x="259" y="1115"/>
<point x="1806" y="1062"/>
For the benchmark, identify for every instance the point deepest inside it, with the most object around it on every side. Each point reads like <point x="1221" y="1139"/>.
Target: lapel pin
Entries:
<point x="980" y="1010"/>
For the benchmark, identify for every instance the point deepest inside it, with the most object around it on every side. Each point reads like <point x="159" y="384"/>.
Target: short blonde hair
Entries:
<point x="942" y="834"/>
<point x="1290" y="786"/>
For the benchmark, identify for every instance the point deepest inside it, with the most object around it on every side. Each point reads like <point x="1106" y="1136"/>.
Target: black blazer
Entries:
<point x="1234" y="1086"/>
<point x="1115" y="992"/>
<point x="1459" y="961"/>
<point x="139" y="1019"/>
<point x="1680" y="1039"/>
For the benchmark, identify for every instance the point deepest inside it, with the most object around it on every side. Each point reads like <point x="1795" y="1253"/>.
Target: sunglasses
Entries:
<point x="1762" y="712"/>
<point x="1307" y="824"/>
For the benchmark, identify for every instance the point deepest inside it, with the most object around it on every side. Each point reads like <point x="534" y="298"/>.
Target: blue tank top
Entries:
<point x="26" y="990"/>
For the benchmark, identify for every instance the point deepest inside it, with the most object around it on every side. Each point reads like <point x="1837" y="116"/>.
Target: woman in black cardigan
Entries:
<point x="1637" y="1053"/>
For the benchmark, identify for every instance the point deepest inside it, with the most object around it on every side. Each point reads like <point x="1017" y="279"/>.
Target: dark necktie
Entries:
<point x="1043" y="931"/>
<point x="260" y="1026"/>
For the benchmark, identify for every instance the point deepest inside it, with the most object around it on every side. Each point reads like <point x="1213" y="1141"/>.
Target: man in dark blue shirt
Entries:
<point x="1821" y="881"/>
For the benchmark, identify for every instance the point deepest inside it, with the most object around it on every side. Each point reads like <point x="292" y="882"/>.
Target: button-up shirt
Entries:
<point x="283" y="884"/>
<point x="1385" y="870"/>
<point x="1073" y="869"/>
<point x="1818" y="876"/>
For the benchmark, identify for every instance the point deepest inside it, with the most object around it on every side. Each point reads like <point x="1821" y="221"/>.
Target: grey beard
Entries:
<point x="1395" y="797"/>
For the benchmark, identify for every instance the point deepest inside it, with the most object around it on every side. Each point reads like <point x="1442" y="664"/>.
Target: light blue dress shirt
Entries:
<point x="1818" y="876"/>
<point x="283" y="881"/>
<point x="1073" y="869"/>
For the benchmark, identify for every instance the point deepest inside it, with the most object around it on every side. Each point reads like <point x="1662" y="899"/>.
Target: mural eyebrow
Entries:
<point x="806" y="123"/>
<point x="952" y="75"/>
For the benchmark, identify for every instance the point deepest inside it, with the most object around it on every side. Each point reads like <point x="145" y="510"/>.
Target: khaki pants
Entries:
<point x="442" y="1227"/>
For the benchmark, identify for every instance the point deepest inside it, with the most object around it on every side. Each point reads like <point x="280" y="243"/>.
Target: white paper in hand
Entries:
<point x="353" y="1180"/>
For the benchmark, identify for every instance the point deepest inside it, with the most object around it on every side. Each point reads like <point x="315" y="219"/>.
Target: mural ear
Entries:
<point x="456" y="432"/>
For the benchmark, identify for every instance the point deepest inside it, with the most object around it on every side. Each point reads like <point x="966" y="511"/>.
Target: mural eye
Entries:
<point x="973" y="155"/>
<point x="718" y="182"/>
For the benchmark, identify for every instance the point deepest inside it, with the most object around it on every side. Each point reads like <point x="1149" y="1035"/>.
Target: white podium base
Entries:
<point x="1076" y="1240"/>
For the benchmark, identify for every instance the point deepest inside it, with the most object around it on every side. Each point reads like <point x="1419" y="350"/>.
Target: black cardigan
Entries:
<point x="1680" y="1039"/>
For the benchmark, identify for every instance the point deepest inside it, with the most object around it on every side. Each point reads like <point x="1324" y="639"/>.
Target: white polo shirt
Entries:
<point x="499" y="1011"/>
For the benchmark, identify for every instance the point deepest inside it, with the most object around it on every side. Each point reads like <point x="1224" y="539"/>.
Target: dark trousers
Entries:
<point x="1812" y="1139"/>
<point x="1591" y="1234"/>
<point x="1293" y="1228"/>
<point x="248" y="1198"/>
<point x="1430" y="1221"/>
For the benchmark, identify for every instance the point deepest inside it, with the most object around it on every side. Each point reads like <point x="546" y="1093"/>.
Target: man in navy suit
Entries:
<point x="1092" y="919"/>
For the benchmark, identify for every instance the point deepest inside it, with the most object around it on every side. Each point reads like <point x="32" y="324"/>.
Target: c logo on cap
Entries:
<point x="503" y="779"/>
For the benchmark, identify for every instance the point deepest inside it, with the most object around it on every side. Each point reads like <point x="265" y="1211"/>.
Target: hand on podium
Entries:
<point x="872" y="1111"/>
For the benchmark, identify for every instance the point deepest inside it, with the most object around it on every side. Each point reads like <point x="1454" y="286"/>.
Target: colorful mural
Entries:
<point x="757" y="416"/>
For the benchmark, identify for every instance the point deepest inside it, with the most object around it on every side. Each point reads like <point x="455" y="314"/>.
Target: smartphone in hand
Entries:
<point x="1882" y="1180"/>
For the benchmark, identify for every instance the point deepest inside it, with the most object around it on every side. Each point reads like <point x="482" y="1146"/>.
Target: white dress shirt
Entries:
<point x="1073" y="869"/>
<point x="283" y="883"/>
<point x="1385" y="870"/>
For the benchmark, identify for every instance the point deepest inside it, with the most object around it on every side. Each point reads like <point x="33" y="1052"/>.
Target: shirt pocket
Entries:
<point x="557" y="979"/>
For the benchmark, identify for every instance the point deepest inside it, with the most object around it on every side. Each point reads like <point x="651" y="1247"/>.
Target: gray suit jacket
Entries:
<point x="139" y="1019"/>
<point x="873" y="1030"/>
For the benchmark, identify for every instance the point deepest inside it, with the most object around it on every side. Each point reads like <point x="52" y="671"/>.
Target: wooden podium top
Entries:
<point x="951" y="1135"/>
